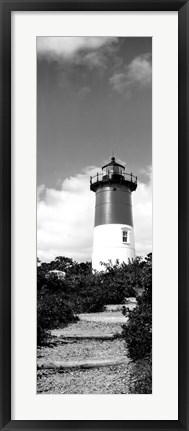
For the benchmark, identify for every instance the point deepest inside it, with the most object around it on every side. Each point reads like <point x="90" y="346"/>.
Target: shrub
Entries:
<point x="53" y="308"/>
<point x="83" y="290"/>
<point x="116" y="283"/>
<point x="138" y="330"/>
<point x="85" y="293"/>
<point x="43" y="336"/>
<point x="140" y="378"/>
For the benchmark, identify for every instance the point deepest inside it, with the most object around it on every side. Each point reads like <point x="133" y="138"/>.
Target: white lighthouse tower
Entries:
<point x="113" y="227"/>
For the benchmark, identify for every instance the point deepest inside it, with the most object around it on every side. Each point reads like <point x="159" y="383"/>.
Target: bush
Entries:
<point x="43" y="336"/>
<point x="53" y="308"/>
<point x="116" y="283"/>
<point x="91" y="291"/>
<point x="140" y="378"/>
<point x="138" y="330"/>
<point x="82" y="290"/>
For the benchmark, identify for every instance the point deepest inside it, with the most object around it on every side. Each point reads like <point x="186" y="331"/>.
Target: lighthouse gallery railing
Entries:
<point x="110" y="175"/>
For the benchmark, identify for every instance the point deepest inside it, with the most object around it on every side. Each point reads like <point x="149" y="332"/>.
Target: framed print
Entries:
<point x="94" y="215"/>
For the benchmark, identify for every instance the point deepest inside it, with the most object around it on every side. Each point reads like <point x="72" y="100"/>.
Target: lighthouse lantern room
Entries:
<point x="113" y="227"/>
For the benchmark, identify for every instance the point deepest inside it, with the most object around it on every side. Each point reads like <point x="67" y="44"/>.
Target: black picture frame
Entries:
<point x="6" y="7"/>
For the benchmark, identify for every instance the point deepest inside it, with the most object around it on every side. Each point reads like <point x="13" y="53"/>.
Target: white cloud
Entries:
<point x="136" y="75"/>
<point x="40" y="191"/>
<point x="95" y="59"/>
<point x="66" y="218"/>
<point x="142" y="214"/>
<point x="67" y="47"/>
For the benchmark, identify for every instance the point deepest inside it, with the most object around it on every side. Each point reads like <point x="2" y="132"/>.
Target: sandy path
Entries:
<point x="103" y="380"/>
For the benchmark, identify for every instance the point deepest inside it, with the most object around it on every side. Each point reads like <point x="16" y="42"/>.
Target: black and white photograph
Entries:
<point x="94" y="215"/>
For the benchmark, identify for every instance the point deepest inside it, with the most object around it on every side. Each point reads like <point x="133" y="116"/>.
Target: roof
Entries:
<point x="114" y="163"/>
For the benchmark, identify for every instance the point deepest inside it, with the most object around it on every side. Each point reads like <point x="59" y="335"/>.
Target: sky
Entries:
<point x="94" y="99"/>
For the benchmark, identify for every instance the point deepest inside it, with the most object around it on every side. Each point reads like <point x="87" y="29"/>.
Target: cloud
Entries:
<point x="74" y="59"/>
<point x="142" y="215"/>
<point x="40" y="192"/>
<point x="136" y="75"/>
<point x="95" y="59"/>
<point x="66" y="218"/>
<point x="83" y="92"/>
<point x="56" y="48"/>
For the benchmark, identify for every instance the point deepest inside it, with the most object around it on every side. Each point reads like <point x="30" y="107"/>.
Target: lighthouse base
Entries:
<point x="112" y="242"/>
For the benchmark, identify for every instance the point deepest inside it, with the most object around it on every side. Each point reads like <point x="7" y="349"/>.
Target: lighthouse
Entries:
<point x="113" y="226"/>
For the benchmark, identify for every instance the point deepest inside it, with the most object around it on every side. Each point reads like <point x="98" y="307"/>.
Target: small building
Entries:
<point x="60" y="274"/>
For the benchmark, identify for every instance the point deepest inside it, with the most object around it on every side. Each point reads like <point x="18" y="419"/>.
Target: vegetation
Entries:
<point x="80" y="290"/>
<point x="53" y="307"/>
<point x="140" y="377"/>
<point x="138" y="333"/>
<point x="138" y="330"/>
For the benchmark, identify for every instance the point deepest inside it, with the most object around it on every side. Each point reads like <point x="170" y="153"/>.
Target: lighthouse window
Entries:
<point x="125" y="235"/>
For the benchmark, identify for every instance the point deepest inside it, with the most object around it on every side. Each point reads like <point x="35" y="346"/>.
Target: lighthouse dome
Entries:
<point x="113" y="168"/>
<point x="113" y="172"/>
